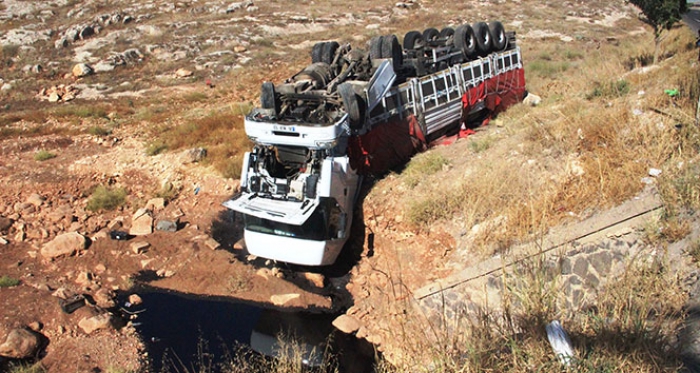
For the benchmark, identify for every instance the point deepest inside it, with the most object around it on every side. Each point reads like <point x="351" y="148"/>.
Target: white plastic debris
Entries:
<point x="654" y="172"/>
<point x="647" y="180"/>
<point x="560" y="342"/>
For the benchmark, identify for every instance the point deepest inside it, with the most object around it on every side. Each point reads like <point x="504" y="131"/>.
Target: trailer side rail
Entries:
<point x="437" y="97"/>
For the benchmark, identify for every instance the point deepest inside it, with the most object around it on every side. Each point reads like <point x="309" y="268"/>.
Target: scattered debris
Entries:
<point x="560" y="342"/>
<point x="72" y="303"/>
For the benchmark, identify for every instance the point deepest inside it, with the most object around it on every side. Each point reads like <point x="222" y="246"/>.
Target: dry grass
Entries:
<point x="423" y="165"/>
<point x="220" y="131"/>
<point x="631" y="327"/>
<point x="586" y="149"/>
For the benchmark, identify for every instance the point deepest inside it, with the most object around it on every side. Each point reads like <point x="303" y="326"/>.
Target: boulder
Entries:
<point x="104" y="298"/>
<point x="347" y="324"/>
<point x="195" y="155"/>
<point x="212" y="243"/>
<point x="156" y="204"/>
<point x="316" y="279"/>
<point x="239" y="245"/>
<point x="90" y="324"/>
<point x="20" y="344"/>
<point x="104" y="66"/>
<point x="86" y="32"/>
<point x="5" y="224"/>
<point x="32" y="69"/>
<point x="166" y="225"/>
<point x="282" y="299"/>
<point x="60" y="43"/>
<point x="54" y="97"/>
<point x="264" y="273"/>
<point x="36" y="199"/>
<point x="139" y="247"/>
<point x="65" y="244"/>
<point x="141" y="223"/>
<point x="135" y="299"/>
<point x="183" y="73"/>
<point x="82" y="69"/>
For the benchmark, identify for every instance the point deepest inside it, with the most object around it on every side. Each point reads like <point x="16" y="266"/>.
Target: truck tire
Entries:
<point x="317" y="51"/>
<point x="353" y="105"/>
<point x="483" y="38"/>
<point x="392" y="49"/>
<point x="499" y="40"/>
<point x="447" y="34"/>
<point x="413" y="40"/>
<point x="320" y="73"/>
<point x="465" y="41"/>
<point x="375" y="47"/>
<point x="328" y="52"/>
<point x="267" y="97"/>
<point x="431" y="34"/>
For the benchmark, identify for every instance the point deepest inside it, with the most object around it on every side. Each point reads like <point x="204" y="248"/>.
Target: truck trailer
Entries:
<point x="354" y="112"/>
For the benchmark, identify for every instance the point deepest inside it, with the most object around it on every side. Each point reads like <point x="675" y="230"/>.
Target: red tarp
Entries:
<point x="393" y="143"/>
<point x="386" y="146"/>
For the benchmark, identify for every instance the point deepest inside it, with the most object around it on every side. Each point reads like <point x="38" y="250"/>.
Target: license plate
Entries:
<point x="284" y="128"/>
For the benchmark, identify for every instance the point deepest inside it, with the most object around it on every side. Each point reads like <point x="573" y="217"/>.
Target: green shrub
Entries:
<point x="7" y="281"/>
<point x="156" y="148"/>
<point x="99" y="131"/>
<point x="613" y="89"/>
<point x="43" y="155"/>
<point x="104" y="198"/>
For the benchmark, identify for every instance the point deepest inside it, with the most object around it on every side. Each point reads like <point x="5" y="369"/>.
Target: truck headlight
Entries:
<point x="326" y="144"/>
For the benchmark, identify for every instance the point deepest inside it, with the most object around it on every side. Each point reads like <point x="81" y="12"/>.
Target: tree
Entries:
<point x="661" y="15"/>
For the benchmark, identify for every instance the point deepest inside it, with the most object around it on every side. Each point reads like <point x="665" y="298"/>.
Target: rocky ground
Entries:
<point x="65" y="255"/>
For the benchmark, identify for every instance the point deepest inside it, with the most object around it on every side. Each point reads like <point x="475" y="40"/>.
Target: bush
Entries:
<point x="43" y="155"/>
<point x="156" y="148"/>
<point x="104" y="198"/>
<point x="614" y="89"/>
<point x="98" y="131"/>
<point x="7" y="281"/>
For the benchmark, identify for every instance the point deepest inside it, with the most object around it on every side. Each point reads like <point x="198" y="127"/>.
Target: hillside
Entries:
<point x="128" y="117"/>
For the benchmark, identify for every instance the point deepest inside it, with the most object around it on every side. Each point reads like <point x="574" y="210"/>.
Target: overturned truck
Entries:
<point x="354" y="112"/>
